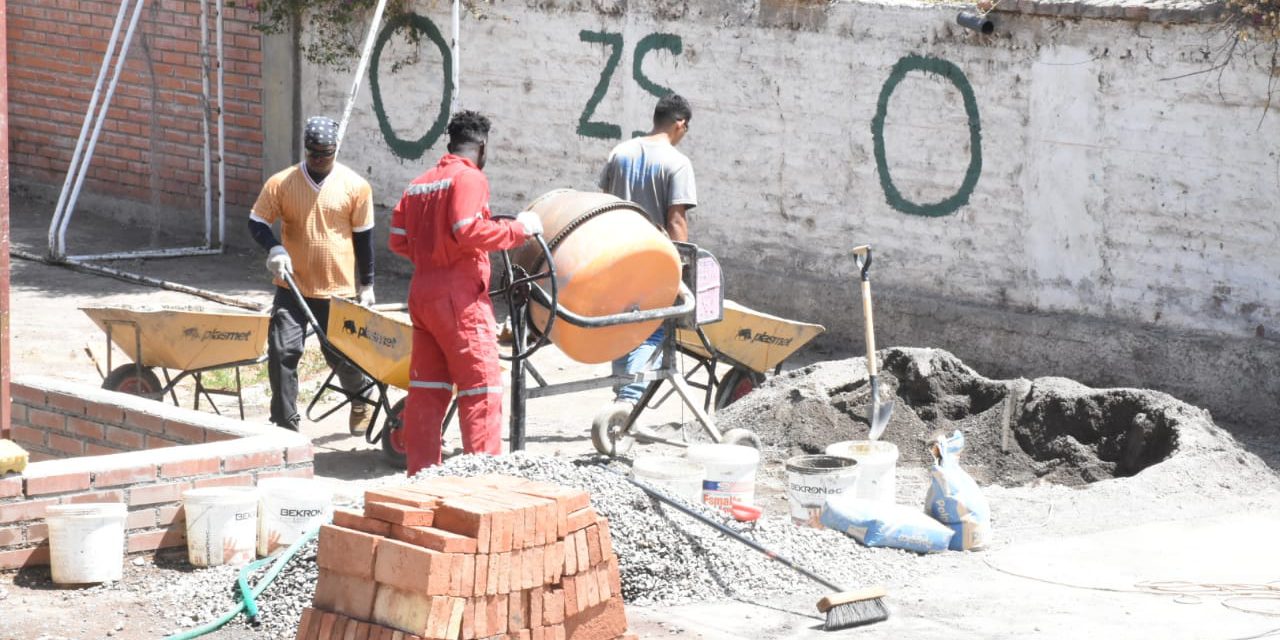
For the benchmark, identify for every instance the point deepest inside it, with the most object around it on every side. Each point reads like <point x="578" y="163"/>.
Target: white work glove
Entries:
<point x="278" y="261"/>
<point x="364" y="295"/>
<point x="531" y="222"/>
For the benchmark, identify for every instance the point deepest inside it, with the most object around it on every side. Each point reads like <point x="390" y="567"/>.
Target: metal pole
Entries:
<point x="457" y="51"/>
<point x="56" y="249"/>
<point x="4" y="228"/>
<point x="222" y="144"/>
<point x="360" y="67"/>
<point x="97" y="127"/>
<point x="519" y="336"/>
<point x="204" y="122"/>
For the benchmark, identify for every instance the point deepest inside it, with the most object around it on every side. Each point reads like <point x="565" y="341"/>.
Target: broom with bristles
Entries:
<point x="844" y="609"/>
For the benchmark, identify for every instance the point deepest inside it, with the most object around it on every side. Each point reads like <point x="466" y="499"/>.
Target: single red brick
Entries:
<point x="327" y="620"/>
<point x="130" y="475"/>
<point x="615" y="576"/>
<point x="433" y="538"/>
<point x="46" y="420"/>
<point x="86" y="429"/>
<point x="593" y="544"/>
<point x="495" y="571"/>
<point x="153" y="441"/>
<point x="27" y="436"/>
<point x="102" y="412"/>
<point x="580" y="519"/>
<point x="601" y="574"/>
<point x="170" y="514"/>
<point x="195" y="467"/>
<point x="504" y="572"/>
<point x="156" y="493"/>
<point x="152" y="540"/>
<point x="605" y="620"/>
<point x="537" y="633"/>
<point x="27" y="395"/>
<point x="518" y="611"/>
<point x="411" y="568"/>
<point x="465" y="517"/>
<point x="131" y="440"/>
<point x="570" y="548"/>
<point x="497" y="611"/>
<point x="24" y="510"/>
<point x="532" y="567"/>
<point x="348" y="595"/>
<point x="571" y="607"/>
<point x="481" y="583"/>
<point x="468" y="631"/>
<point x="115" y="495"/>
<point x="304" y="624"/>
<point x="143" y="519"/>
<point x="606" y="542"/>
<point x="71" y="447"/>
<point x="347" y="551"/>
<point x="184" y="433"/>
<point x="536" y="604"/>
<point x="553" y="606"/>
<point x="144" y="421"/>
<point x="12" y="536"/>
<point x="352" y="520"/>
<point x="455" y="574"/>
<point x="300" y="453"/>
<point x="255" y="460"/>
<point x="10" y="487"/>
<point x="401" y="609"/>
<point x="95" y="449"/>
<point x="401" y="496"/>
<point x="592" y="586"/>
<point x="584" y="554"/>
<point x="64" y="403"/>
<point x="555" y="561"/>
<point x="398" y="514"/>
<point x="468" y="586"/>
<point x="40" y="485"/>
<point x="29" y="557"/>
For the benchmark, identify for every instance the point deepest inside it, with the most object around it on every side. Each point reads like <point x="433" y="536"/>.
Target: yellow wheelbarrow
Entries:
<point x="752" y="343"/>
<point x="190" y="340"/>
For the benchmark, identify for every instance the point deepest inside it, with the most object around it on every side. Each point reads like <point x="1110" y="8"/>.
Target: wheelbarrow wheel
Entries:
<point x="734" y="384"/>
<point x="606" y="431"/>
<point x="393" y="448"/>
<point x="134" y="380"/>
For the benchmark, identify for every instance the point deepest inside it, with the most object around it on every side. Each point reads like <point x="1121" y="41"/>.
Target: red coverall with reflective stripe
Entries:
<point x="442" y="224"/>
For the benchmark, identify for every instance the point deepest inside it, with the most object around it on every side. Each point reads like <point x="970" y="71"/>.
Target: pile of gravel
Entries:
<point x="665" y="557"/>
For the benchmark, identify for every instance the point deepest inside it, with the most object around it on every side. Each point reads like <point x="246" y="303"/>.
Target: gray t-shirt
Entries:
<point x="652" y="174"/>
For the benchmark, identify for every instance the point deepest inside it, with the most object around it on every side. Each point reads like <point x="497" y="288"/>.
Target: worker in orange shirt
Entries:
<point x="443" y="224"/>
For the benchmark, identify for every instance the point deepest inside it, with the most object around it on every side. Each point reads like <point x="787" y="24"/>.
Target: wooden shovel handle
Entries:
<point x="869" y="328"/>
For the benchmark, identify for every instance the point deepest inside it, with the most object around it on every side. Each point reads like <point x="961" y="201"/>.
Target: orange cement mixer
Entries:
<point x="609" y="259"/>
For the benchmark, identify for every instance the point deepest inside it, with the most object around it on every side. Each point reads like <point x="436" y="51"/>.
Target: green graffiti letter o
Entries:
<point x="411" y="149"/>
<point x="953" y="73"/>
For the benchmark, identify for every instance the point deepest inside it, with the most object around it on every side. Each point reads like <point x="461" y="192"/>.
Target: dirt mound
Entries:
<point x="1017" y="432"/>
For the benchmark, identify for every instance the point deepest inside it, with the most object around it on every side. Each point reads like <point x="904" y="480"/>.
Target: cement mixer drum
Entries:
<point x="609" y="259"/>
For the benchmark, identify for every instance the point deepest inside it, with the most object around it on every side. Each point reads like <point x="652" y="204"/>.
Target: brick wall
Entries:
<point x="190" y="450"/>
<point x="150" y="149"/>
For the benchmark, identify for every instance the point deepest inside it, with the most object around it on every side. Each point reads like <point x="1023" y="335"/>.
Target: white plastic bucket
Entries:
<point x="86" y="542"/>
<point x="812" y="479"/>
<point x="731" y="473"/>
<point x="676" y="476"/>
<point x="222" y="525"/>
<point x="877" y="464"/>
<point x="287" y="508"/>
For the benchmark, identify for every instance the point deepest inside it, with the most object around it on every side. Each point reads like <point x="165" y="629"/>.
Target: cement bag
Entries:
<point x="876" y="523"/>
<point x="954" y="499"/>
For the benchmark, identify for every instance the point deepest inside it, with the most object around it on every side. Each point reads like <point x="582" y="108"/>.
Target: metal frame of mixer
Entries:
<point x="524" y="290"/>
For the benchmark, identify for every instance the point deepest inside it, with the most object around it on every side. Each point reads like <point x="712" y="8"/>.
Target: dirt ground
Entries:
<point x="1076" y="546"/>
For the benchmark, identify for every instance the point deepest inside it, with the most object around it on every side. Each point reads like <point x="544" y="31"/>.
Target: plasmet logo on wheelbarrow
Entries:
<point x="193" y="333"/>
<point x="746" y="335"/>
<point x="349" y="327"/>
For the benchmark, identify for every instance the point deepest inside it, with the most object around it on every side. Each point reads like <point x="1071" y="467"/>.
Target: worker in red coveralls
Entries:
<point x="442" y="224"/>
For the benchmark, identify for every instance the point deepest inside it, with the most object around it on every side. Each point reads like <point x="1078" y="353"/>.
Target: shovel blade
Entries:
<point x="880" y="411"/>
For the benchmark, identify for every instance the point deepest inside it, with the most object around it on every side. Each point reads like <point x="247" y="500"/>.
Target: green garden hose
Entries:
<point x="248" y="602"/>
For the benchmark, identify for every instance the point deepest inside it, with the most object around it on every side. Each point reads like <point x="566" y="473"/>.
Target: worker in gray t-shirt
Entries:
<point x="650" y="172"/>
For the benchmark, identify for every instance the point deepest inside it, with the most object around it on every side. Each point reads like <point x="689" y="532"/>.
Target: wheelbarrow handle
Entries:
<point x="862" y="258"/>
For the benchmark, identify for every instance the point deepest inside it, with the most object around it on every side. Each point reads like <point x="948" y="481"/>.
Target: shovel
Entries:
<point x="880" y="413"/>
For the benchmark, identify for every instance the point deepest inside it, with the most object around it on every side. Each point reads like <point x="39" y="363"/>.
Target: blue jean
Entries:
<point x="634" y="363"/>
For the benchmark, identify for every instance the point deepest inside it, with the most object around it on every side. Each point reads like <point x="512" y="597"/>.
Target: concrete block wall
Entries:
<point x="204" y="451"/>
<point x="151" y="146"/>
<point x="1073" y="195"/>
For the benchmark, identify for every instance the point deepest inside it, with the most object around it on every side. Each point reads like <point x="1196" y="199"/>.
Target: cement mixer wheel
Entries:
<point x="393" y="448"/>
<point x="741" y="436"/>
<point x="134" y="380"/>
<point x="606" y="431"/>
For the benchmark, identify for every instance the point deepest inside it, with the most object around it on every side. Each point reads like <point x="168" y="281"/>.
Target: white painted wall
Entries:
<point x="1117" y="183"/>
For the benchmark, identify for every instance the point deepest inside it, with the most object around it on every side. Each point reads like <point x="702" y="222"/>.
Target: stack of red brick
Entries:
<point x="467" y="558"/>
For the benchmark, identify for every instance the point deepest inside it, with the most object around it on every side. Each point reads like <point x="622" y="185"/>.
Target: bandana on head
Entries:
<point x="321" y="131"/>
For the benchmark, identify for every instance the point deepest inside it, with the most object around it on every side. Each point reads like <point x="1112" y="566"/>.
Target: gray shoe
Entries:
<point x="360" y="418"/>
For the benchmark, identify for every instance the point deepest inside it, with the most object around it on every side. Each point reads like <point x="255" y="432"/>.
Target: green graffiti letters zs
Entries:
<point x="652" y="42"/>
<point x="417" y="26"/>
<point x="953" y="73"/>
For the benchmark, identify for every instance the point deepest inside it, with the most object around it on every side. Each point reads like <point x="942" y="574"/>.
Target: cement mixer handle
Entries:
<point x="685" y="304"/>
